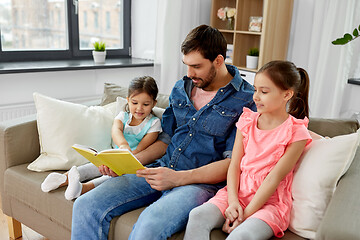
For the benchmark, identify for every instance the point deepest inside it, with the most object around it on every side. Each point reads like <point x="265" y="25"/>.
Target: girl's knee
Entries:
<point x="196" y="214"/>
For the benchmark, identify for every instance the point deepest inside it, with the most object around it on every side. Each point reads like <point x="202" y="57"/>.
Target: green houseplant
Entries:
<point x="99" y="52"/>
<point x="252" y="58"/>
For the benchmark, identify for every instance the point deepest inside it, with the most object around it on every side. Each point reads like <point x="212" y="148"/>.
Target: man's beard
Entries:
<point x="204" y="83"/>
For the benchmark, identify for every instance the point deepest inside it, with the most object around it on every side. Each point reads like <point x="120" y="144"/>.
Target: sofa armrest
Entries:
<point x="333" y="127"/>
<point x="341" y="219"/>
<point x="19" y="141"/>
<point x="19" y="144"/>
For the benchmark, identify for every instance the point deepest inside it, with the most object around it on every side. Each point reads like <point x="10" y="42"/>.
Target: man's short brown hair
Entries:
<point x="206" y="40"/>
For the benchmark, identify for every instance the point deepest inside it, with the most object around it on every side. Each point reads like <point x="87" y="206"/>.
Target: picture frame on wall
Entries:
<point x="255" y="24"/>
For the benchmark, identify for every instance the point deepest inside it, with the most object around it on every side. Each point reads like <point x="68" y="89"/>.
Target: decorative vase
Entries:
<point x="252" y="62"/>
<point x="99" y="57"/>
<point x="230" y="23"/>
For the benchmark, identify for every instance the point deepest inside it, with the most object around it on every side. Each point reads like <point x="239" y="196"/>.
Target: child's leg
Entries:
<point x="76" y="188"/>
<point x="88" y="171"/>
<point x="93" y="183"/>
<point x="97" y="181"/>
<point x="202" y="220"/>
<point x="251" y="229"/>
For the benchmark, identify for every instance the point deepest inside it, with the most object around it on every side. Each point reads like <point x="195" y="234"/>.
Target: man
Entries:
<point x="197" y="139"/>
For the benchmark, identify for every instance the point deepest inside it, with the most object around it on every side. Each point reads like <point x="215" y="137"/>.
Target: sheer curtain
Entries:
<point x="175" y="18"/>
<point x="315" y="24"/>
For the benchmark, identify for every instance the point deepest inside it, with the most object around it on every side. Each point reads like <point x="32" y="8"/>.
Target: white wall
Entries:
<point x="18" y="88"/>
<point x="301" y="29"/>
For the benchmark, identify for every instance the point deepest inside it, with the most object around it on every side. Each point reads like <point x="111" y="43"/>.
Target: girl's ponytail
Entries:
<point x="298" y="105"/>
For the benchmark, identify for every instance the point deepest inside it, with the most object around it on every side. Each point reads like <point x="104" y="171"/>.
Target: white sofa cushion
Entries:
<point x="322" y="164"/>
<point x="62" y="124"/>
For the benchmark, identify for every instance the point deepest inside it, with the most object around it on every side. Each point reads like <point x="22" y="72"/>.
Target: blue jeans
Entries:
<point x="167" y="214"/>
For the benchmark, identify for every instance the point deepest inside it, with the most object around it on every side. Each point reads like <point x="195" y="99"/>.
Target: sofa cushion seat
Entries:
<point x="24" y="185"/>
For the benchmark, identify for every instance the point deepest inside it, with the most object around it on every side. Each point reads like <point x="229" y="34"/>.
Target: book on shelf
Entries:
<point x="121" y="161"/>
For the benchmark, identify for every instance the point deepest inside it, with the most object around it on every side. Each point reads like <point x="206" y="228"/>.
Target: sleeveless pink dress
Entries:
<point x="262" y="150"/>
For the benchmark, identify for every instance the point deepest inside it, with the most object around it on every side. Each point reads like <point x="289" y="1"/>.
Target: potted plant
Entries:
<point x="99" y="52"/>
<point x="252" y="58"/>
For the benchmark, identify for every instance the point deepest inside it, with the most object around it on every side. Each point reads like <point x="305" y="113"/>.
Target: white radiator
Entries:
<point x="8" y="112"/>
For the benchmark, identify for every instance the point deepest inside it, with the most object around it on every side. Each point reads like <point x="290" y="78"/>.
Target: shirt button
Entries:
<point x="207" y="104"/>
<point x="194" y="119"/>
<point x="179" y="149"/>
<point x="180" y="104"/>
<point x="222" y="90"/>
<point x="223" y="112"/>
<point x="190" y="134"/>
<point x="171" y="165"/>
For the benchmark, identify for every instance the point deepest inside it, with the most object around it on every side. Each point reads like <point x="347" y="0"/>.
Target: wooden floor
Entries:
<point x="28" y="234"/>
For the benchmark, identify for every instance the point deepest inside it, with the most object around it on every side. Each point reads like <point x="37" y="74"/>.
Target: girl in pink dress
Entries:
<point x="257" y="200"/>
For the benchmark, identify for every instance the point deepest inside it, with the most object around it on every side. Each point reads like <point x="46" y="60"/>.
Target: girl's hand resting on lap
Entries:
<point x="234" y="217"/>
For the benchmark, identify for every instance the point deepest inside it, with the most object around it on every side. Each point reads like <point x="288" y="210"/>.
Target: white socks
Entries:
<point x="74" y="187"/>
<point x="53" y="181"/>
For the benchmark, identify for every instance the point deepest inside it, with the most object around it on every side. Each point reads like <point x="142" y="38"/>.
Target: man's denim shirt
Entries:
<point x="197" y="138"/>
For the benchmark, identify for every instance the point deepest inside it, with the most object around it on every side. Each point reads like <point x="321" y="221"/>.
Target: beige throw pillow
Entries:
<point x="62" y="124"/>
<point x="322" y="164"/>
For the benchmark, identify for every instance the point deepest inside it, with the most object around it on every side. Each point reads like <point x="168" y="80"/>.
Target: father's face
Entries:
<point x="200" y="70"/>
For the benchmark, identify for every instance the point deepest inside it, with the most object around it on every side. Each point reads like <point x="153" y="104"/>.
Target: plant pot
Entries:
<point x="252" y="62"/>
<point x="99" y="57"/>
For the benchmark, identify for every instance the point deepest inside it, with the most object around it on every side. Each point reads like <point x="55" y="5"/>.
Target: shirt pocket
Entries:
<point x="219" y="120"/>
<point x="181" y="110"/>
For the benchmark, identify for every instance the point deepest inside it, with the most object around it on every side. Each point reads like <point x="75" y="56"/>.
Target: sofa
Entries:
<point x="50" y="213"/>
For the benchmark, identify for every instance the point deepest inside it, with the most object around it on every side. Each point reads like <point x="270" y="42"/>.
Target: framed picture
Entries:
<point x="255" y="24"/>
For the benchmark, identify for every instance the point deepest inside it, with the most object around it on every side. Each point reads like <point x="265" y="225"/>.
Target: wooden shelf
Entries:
<point x="273" y="39"/>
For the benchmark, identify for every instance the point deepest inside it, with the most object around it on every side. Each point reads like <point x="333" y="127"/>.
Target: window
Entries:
<point x="62" y="29"/>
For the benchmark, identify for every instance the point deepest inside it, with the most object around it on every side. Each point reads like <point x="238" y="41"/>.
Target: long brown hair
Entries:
<point x="286" y="75"/>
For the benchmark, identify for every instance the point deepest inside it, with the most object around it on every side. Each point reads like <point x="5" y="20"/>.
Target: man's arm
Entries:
<point x="163" y="178"/>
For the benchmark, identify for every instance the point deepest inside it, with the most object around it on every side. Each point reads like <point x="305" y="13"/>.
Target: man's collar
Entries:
<point x="237" y="80"/>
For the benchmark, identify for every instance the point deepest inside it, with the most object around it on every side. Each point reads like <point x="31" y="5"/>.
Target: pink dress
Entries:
<point x="262" y="150"/>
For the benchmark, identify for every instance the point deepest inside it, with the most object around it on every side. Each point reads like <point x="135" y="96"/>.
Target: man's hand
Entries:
<point x="104" y="170"/>
<point x="160" y="178"/>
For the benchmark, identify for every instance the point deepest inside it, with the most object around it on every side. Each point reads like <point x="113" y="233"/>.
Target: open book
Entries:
<point x="121" y="161"/>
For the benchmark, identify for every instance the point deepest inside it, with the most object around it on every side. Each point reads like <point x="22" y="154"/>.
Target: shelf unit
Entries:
<point x="273" y="39"/>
